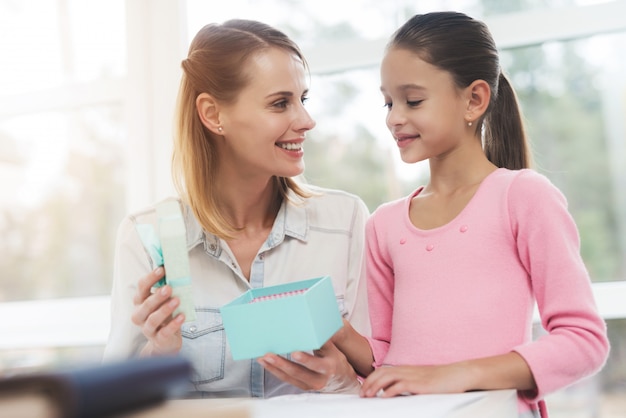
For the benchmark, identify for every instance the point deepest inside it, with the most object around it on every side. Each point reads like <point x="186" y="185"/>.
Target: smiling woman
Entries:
<point x="274" y="97"/>
<point x="250" y="223"/>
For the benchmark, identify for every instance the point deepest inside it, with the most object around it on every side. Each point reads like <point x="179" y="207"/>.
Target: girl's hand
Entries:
<point x="391" y="381"/>
<point x="153" y="313"/>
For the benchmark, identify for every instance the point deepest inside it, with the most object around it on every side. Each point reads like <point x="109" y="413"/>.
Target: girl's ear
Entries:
<point x="209" y="113"/>
<point x="478" y="97"/>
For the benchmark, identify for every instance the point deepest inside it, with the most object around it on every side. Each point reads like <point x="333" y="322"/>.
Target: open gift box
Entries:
<point x="297" y="316"/>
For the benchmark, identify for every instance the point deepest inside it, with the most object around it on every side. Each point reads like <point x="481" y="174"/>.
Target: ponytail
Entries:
<point x="505" y="140"/>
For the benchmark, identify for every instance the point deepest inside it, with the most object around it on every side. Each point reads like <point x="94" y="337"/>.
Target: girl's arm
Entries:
<point x="507" y="371"/>
<point x="576" y="343"/>
<point x="356" y="348"/>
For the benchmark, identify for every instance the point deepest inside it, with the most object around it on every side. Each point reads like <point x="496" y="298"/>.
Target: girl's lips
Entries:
<point x="404" y="140"/>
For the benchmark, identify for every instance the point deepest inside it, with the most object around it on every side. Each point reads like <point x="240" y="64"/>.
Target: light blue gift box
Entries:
<point x="292" y="322"/>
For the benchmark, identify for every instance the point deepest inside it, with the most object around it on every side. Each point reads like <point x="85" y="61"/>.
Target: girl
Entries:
<point x="455" y="268"/>
<point x="241" y="125"/>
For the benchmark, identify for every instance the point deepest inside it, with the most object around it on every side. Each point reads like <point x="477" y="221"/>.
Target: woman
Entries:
<point x="241" y="125"/>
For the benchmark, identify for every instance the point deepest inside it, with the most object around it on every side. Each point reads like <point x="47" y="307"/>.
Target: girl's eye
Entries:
<point x="414" y="103"/>
<point x="388" y="105"/>
<point x="304" y="99"/>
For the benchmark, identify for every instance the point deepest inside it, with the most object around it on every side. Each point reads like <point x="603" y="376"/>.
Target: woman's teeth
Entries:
<point x="290" y="146"/>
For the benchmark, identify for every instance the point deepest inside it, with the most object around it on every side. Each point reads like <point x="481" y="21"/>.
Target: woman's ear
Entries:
<point x="478" y="97"/>
<point x="209" y="113"/>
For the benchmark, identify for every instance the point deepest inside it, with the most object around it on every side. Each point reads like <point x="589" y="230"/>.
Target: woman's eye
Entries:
<point x="414" y="103"/>
<point x="388" y="105"/>
<point x="304" y="99"/>
<point x="282" y="104"/>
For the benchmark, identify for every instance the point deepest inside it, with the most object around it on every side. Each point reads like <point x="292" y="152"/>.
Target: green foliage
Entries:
<point x="351" y="164"/>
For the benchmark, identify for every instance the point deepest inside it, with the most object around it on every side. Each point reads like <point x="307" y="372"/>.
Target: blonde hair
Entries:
<point x="215" y="64"/>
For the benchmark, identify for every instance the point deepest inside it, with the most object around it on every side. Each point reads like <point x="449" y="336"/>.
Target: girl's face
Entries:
<point x="425" y="108"/>
<point x="265" y="128"/>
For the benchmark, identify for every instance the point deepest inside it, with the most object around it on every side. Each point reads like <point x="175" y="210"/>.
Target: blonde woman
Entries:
<point x="241" y="128"/>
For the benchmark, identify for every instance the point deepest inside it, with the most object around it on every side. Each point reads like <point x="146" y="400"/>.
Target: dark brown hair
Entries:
<point x="217" y="64"/>
<point x="464" y="47"/>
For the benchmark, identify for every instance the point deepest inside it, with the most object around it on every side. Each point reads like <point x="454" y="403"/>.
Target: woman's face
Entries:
<point x="425" y="108"/>
<point x="264" y="129"/>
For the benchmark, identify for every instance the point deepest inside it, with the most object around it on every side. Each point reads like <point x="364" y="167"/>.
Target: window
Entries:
<point x="62" y="169"/>
<point x="571" y="93"/>
<point x="61" y="146"/>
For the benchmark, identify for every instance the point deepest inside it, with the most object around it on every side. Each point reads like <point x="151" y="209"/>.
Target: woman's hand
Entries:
<point x="388" y="381"/>
<point x="327" y="370"/>
<point x="153" y="313"/>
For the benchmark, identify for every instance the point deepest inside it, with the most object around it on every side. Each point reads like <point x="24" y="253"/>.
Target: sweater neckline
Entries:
<point x="458" y="218"/>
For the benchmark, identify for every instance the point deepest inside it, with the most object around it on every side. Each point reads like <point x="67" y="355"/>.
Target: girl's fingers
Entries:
<point x="393" y="389"/>
<point x="374" y="383"/>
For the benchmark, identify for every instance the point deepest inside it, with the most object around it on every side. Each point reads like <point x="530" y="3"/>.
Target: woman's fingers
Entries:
<point x="292" y="372"/>
<point x="144" y="285"/>
<point x="154" y="310"/>
<point x="327" y="370"/>
<point x="160" y="317"/>
<point x="151" y="304"/>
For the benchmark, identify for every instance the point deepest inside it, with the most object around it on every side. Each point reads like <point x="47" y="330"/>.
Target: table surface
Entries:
<point x="484" y="404"/>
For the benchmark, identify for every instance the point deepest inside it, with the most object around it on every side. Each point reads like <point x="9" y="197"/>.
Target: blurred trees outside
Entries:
<point x="62" y="245"/>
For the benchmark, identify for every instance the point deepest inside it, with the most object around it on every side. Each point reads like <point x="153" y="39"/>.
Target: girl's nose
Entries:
<point x="394" y="117"/>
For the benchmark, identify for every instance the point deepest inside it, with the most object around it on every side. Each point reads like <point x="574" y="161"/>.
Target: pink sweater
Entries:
<point x="467" y="289"/>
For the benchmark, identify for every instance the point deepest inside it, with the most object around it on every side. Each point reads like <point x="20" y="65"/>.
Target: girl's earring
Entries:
<point x="219" y="128"/>
<point x="469" y="123"/>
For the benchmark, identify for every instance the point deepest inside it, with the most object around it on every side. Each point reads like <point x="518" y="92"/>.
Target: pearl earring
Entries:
<point x="469" y="123"/>
<point x="219" y="128"/>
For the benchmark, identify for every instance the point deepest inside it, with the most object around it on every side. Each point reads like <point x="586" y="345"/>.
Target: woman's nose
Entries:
<point x="305" y="122"/>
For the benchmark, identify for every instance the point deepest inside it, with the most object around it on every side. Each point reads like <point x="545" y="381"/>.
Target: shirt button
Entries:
<point x="193" y="328"/>
<point x="212" y="247"/>
<point x="402" y="241"/>
<point x="261" y="256"/>
<point x="430" y="247"/>
<point x="463" y="228"/>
